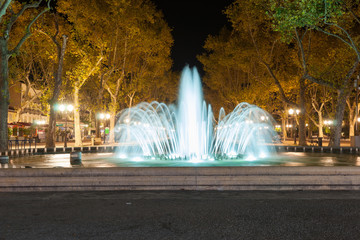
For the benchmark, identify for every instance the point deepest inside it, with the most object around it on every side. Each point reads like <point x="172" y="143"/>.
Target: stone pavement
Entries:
<point x="180" y="215"/>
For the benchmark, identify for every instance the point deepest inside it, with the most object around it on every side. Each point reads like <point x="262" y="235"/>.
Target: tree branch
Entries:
<point x="28" y="33"/>
<point x="4" y="7"/>
<point x="91" y="71"/>
<point x="319" y="81"/>
<point x="302" y="53"/>
<point x="353" y="45"/>
<point x="16" y="16"/>
<point x="334" y="35"/>
<point x="277" y="83"/>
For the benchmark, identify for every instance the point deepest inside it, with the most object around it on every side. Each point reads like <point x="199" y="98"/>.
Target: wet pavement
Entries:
<point x="180" y="215"/>
<point x="290" y="159"/>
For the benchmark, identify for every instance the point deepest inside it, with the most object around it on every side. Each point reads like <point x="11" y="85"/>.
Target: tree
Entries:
<point x="293" y="19"/>
<point x="136" y="45"/>
<point x="56" y="34"/>
<point x="10" y="12"/>
<point x="85" y="64"/>
<point x="277" y="58"/>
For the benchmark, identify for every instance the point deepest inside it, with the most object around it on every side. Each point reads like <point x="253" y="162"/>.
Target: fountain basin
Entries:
<point x="180" y="178"/>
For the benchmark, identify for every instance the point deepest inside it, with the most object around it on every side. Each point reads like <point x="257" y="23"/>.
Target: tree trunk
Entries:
<point x="78" y="141"/>
<point x="339" y="116"/>
<point x="302" y="129"/>
<point x="321" y="131"/>
<point x="50" y="138"/>
<point x="351" y="123"/>
<point x="283" y="128"/>
<point x="112" y="126"/>
<point x="97" y="124"/>
<point x="113" y="108"/>
<point x="4" y="96"/>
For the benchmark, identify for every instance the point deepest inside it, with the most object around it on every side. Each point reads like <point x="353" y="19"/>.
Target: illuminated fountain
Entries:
<point x="188" y="131"/>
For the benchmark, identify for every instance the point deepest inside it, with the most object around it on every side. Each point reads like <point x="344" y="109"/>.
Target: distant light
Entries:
<point x="39" y="122"/>
<point x="122" y="156"/>
<point x="297" y="111"/>
<point x="62" y="107"/>
<point x="102" y="116"/>
<point x="127" y="120"/>
<point x="328" y="122"/>
<point x="358" y="119"/>
<point x="291" y="111"/>
<point x="70" y="107"/>
<point x="262" y="118"/>
<point x="107" y="116"/>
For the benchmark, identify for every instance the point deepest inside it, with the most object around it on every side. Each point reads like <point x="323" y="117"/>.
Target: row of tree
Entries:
<point x="288" y="54"/>
<point x="110" y="54"/>
<point x="101" y="55"/>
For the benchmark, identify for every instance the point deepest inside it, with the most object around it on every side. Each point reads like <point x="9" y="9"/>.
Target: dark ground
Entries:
<point x="180" y="215"/>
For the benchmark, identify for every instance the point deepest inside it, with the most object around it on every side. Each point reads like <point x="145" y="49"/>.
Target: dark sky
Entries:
<point x="192" y="21"/>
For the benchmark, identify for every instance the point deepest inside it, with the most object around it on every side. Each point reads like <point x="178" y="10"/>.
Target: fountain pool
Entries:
<point x="99" y="160"/>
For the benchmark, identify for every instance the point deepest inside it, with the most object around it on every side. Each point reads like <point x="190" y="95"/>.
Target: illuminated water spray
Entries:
<point x="188" y="130"/>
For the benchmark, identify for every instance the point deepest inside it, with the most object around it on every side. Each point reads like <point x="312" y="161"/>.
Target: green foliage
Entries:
<point x="289" y="15"/>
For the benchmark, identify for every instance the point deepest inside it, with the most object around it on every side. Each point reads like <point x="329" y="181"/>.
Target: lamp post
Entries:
<point x="66" y="108"/>
<point x="328" y="123"/>
<point x="293" y="113"/>
<point x="104" y="117"/>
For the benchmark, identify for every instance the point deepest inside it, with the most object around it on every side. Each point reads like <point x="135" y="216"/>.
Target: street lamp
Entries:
<point x="328" y="123"/>
<point x="103" y="116"/>
<point x="66" y="108"/>
<point x="293" y="113"/>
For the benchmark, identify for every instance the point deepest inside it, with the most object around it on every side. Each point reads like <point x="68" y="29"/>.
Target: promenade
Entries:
<point x="180" y="215"/>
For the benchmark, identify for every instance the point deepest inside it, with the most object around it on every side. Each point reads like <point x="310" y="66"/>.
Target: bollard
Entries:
<point x="320" y="141"/>
<point x="4" y="159"/>
<point x="75" y="158"/>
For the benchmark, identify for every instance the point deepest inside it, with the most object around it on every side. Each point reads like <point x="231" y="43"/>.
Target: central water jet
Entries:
<point x="194" y="121"/>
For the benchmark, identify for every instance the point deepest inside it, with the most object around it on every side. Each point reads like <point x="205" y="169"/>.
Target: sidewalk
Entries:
<point x="325" y="143"/>
<point x="86" y="143"/>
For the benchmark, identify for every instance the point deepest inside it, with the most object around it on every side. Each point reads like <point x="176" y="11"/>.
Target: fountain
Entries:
<point x="188" y="130"/>
<point x="183" y="147"/>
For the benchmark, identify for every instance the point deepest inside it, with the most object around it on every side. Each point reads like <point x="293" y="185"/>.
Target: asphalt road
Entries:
<point x="180" y="215"/>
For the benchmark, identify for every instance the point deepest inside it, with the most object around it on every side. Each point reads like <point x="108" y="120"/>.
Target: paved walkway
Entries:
<point x="180" y="215"/>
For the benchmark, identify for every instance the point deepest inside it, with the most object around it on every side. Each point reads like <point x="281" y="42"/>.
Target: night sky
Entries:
<point x="192" y="21"/>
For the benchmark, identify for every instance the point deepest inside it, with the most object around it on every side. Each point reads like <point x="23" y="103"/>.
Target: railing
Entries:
<point x="26" y="143"/>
